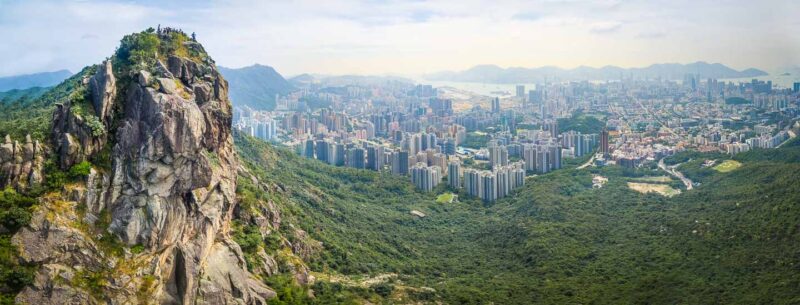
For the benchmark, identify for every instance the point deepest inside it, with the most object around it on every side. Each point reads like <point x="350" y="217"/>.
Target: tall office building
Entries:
<point x="496" y="105"/>
<point x="472" y="182"/>
<point x="369" y="127"/>
<point x="542" y="158"/>
<point x="580" y="144"/>
<point x="339" y="155"/>
<point x="355" y="157"/>
<point x="554" y="156"/>
<point x="518" y="175"/>
<point x="521" y="91"/>
<point x="529" y="157"/>
<point x="428" y="141"/>
<point x="266" y="130"/>
<point x="308" y="151"/>
<point x="454" y="174"/>
<point x="441" y="107"/>
<point x="321" y="150"/>
<point x="415" y="144"/>
<point x="488" y="183"/>
<point x="449" y="146"/>
<point x="440" y="160"/>
<point x="400" y="163"/>
<point x="375" y="157"/>
<point x="425" y="177"/>
<point x="552" y="127"/>
<point x="604" y="142"/>
<point x="796" y="87"/>
<point x="498" y="156"/>
<point x="503" y="181"/>
<point x="534" y="96"/>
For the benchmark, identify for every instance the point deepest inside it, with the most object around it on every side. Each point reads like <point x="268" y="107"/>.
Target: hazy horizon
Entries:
<point x="410" y="38"/>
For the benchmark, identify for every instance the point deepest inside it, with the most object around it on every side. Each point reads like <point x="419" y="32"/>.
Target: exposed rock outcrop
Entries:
<point x="103" y="88"/>
<point x="80" y="131"/>
<point x="170" y="190"/>
<point x="21" y="164"/>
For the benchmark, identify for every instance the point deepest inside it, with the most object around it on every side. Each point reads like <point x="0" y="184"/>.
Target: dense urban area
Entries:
<point x="488" y="145"/>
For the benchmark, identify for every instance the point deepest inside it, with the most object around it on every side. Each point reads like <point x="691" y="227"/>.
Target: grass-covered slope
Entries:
<point x="556" y="241"/>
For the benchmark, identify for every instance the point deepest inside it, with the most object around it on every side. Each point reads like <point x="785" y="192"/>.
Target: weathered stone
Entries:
<point x="226" y="279"/>
<point x="202" y="93"/>
<point x="162" y="71"/>
<point x="72" y="138"/>
<point x="167" y="85"/>
<point x="144" y="78"/>
<point x="102" y="87"/>
<point x="21" y="165"/>
<point x="45" y="290"/>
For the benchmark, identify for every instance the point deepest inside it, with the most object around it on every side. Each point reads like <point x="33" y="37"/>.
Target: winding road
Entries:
<point x="672" y="171"/>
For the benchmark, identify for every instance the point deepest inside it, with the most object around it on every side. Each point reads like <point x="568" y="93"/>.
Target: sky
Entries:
<point x="411" y="37"/>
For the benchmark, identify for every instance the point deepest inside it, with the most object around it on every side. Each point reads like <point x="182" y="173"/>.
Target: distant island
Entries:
<point x="495" y="74"/>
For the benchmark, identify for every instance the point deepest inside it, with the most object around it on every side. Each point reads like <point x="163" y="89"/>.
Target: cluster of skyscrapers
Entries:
<point x="364" y="156"/>
<point x="426" y="177"/>
<point x="259" y="126"/>
<point x="490" y="185"/>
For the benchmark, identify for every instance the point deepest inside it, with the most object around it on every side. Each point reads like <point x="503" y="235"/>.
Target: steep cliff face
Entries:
<point x="152" y="225"/>
<point x="21" y="164"/>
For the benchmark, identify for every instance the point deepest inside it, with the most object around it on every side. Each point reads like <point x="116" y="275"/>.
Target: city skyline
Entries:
<point x="411" y="38"/>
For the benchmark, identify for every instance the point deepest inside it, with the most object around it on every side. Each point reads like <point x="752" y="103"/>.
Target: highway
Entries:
<point x="672" y="171"/>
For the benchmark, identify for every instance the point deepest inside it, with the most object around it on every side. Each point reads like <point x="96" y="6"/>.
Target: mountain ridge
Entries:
<point x="255" y="86"/>
<point x="674" y="71"/>
<point x="41" y="79"/>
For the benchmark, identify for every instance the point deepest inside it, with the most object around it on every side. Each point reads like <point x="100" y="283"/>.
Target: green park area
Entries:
<point x="727" y="166"/>
<point x="445" y="198"/>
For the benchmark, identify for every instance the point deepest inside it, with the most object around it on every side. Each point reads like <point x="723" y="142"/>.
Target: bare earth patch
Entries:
<point x="663" y="189"/>
<point x="661" y="179"/>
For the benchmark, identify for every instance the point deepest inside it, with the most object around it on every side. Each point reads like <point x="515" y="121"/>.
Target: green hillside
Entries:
<point x="30" y="111"/>
<point x="557" y="240"/>
<point x="255" y="86"/>
<point x="581" y="123"/>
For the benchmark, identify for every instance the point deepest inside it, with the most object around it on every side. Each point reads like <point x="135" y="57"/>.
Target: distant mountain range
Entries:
<point x="44" y="79"/>
<point x="495" y="74"/>
<point x="304" y="80"/>
<point x="255" y="86"/>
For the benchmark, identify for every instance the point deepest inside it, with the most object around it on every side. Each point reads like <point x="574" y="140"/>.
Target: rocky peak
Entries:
<point x="161" y="108"/>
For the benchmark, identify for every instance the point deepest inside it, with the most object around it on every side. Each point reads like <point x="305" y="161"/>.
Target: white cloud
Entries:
<point x="410" y="36"/>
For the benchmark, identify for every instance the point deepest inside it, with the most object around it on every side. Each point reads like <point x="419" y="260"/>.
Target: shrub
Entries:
<point x="14" y="218"/>
<point x="137" y="249"/>
<point x="94" y="123"/>
<point x="139" y="49"/>
<point x="17" y="278"/>
<point x="80" y="170"/>
<point x="248" y="238"/>
<point x="383" y="289"/>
